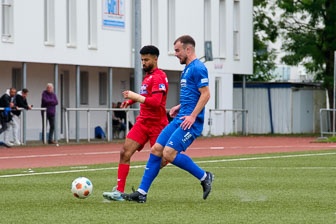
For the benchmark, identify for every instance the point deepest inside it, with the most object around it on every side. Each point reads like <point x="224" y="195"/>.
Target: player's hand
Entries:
<point x="125" y="94"/>
<point x="188" y="122"/>
<point x="29" y="107"/>
<point x="174" y="111"/>
<point x="125" y="104"/>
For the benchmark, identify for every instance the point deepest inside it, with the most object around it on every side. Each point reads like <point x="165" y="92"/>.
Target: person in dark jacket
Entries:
<point x="49" y="101"/>
<point x="20" y="102"/>
<point x="7" y="102"/>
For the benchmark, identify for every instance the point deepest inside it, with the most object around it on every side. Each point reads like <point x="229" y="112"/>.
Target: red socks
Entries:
<point x="122" y="175"/>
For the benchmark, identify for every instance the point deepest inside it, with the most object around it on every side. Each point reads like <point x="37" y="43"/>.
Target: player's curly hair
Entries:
<point x="150" y="49"/>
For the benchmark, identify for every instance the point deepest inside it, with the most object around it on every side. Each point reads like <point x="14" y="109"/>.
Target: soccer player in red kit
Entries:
<point x="152" y="118"/>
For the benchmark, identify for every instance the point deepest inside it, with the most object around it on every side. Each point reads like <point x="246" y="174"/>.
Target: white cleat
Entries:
<point x="114" y="195"/>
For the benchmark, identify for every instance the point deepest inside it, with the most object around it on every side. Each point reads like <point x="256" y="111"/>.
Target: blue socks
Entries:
<point x="184" y="162"/>
<point x="151" y="171"/>
<point x="153" y="167"/>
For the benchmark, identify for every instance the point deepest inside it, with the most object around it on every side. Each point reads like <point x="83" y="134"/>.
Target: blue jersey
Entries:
<point x="194" y="76"/>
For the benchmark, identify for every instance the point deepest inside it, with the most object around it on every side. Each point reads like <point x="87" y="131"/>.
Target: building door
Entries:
<point x="303" y="111"/>
<point x="64" y="97"/>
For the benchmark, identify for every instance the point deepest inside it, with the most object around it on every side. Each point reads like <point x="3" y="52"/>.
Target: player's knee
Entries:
<point x="125" y="155"/>
<point x="169" y="155"/>
<point x="157" y="150"/>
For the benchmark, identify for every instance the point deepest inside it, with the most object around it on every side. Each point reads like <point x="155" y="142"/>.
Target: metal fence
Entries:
<point x="235" y="113"/>
<point x="89" y="110"/>
<point x="108" y="111"/>
<point x="325" y="121"/>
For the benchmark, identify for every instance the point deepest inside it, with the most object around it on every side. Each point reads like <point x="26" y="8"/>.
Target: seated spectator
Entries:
<point x="122" y="116"/>
<point x="116" y="122"/>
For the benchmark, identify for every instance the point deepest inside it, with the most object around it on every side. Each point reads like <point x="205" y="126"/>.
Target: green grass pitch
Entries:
<point x="281" y="188"/>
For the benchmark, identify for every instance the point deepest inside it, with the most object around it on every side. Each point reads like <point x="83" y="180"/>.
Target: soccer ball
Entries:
<point x="81" y="187"/>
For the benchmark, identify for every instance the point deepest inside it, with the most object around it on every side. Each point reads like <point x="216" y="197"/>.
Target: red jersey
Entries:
<point x="155" y="88"/>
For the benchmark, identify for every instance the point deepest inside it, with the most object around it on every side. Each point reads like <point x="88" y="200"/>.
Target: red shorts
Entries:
<point x="142" y="132"/>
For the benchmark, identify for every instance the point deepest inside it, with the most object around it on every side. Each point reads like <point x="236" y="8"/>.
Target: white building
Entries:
<point x="97" y="37"/>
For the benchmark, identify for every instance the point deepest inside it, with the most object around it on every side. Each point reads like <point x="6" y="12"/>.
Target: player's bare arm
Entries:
<point x="174" y="111"/>
<point x="128" y="94"/>
<point x="190" y="119"/>
<point x="154" y="100"/>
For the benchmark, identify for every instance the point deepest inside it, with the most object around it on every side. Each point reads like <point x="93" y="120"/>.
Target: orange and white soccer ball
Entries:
<point x="81" y="187"/>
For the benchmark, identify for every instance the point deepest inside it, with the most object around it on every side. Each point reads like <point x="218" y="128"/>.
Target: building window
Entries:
<point x="92" y="24"/>
<point x="222" y="28"/>
<point x="217" y="92"/>
<point x="207" y="20"/>
<point x="171" y="26"/>
<point x="17" y="78"/>
<point x="236" y="29"/>
<point x="7" y="21"/>
<point x="49" y="22"/>
<point x="71" y="22"/>
<point x="154" y="22"/>
<point x="102" y="88"/>
<point x="84" y="88"/>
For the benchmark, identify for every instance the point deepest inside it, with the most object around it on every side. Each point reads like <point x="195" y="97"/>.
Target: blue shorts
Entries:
<point x="175" y="137"/>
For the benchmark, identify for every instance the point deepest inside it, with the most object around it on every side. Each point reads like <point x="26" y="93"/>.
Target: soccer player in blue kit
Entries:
<point x="186" y="126"/>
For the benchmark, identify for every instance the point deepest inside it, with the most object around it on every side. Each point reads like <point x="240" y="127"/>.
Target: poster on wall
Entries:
<point x="114" y="14"/>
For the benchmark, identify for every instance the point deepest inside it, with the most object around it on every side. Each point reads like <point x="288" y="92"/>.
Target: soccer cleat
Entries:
<point x="8" y="144"/>
<point x="4" y="144"/>
<point x="207" y="184"/>
<point x="115" y="195"/>
<point x="135" y="196"/>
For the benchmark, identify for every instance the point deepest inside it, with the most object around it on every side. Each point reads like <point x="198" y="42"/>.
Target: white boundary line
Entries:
<point x="66" y="171"/>
<point x="142" y="166"/>
<point x="63" y="154"/>
<point x="147" y="150"/>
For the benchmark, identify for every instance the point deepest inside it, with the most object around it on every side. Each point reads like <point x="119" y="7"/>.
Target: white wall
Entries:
<point x="115" y="49"/>
<point x="219" y="125"/>
<point x="294" y="110"/>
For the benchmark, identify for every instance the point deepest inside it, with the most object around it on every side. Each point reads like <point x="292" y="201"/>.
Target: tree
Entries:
<point x="309" y="31"/>
<point x="265" y="31"/>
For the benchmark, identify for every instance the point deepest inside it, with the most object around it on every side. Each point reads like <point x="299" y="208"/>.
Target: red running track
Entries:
<point x="74" y="155"/>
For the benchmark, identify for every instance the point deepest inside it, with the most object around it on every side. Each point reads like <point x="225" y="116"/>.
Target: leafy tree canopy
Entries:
<point x="309" y="31"/>
<point x="265" y="31"/>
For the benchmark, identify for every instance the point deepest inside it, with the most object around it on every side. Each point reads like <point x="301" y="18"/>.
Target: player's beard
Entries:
<point x="183" y="60"/>
<point x="147" y="69"/>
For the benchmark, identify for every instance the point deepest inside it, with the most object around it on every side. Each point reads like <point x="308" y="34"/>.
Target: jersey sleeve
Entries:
<point x="154" y="100"/>
<point x="159" y="84"/>
<point x="201" y="77"/>
<point x="130" y="102"/>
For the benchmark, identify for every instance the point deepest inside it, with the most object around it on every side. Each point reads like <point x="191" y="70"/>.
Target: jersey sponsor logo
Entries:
<point x="183" y="83"/>
<point x="186" y="137"/>
<point x="143" y="89"/>
<point x="162" y="87"/>
<point x="205" y="80"/>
